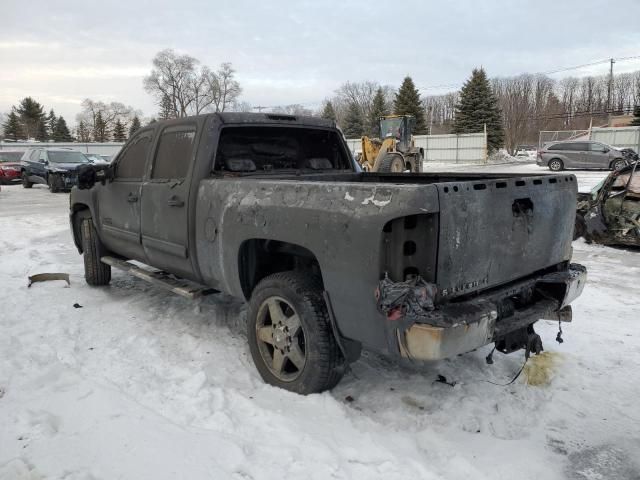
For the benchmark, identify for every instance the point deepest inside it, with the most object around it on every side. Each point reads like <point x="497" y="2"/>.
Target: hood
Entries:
<point x="69" y="167"/>
<point x="10" y="164"/>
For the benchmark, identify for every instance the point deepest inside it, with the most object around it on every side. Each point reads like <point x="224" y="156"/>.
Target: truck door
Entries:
<point x="165" y="229"/>
<point x="119" y="201"/>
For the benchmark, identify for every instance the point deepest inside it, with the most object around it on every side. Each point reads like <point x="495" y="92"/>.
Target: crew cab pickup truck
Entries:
<point x="273" y="209"/>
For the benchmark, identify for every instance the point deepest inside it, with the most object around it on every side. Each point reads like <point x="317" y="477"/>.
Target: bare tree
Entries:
<point x="172" y="77"/>
<point x="98" y="116"/>
<point x="224" y="89"/>
<point x="182" y="84"/>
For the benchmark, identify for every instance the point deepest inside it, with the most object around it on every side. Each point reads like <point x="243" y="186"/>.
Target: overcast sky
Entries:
<point x="286" y="52"/>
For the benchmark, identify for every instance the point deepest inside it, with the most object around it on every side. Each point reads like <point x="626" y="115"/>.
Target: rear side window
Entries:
<point x="131" y="162"/>
<point x="597" y="147"/>
<point x="174" y="153"/>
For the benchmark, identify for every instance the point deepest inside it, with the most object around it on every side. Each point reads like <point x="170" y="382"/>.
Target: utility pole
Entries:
<point x="610" y="89"/>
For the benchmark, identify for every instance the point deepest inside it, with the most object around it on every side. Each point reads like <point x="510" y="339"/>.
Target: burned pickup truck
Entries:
<point x="274" y="210"/>
<point x="610" y="213"/>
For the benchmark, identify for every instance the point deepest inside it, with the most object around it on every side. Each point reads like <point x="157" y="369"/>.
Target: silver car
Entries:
<point x="580" y="154"/>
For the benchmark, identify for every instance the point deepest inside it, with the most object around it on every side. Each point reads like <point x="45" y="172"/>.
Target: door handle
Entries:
<point x="132" y="198"/>
<point x="175" y="201"/>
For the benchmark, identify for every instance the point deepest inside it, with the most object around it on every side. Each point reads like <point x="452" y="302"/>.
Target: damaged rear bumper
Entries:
<point x="457" y="328"/>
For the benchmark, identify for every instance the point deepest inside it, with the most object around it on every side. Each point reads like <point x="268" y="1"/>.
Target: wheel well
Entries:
<point x="259" y="258"/>
<point x="555" y="158"/>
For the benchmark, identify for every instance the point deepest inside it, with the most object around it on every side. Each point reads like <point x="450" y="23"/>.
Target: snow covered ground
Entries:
<point x="140" y="384"/>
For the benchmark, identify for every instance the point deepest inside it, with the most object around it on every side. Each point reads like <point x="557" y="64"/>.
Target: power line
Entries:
<point x="548" y="72"/>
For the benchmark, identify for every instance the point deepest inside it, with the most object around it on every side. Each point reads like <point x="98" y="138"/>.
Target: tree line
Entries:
<point x="357" y="108"/>
<point x="513" y="109"/>
<point x="531" y="103"/>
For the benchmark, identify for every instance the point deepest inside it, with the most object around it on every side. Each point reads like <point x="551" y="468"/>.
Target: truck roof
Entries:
<point x="267" y="118"/>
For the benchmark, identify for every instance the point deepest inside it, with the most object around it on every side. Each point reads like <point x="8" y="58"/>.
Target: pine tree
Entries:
<point x="52" y="121"/>
<point x="61" y="131"/>
<point x="378" y="109"/>
<point x="328" y="111"/>
<point x="635" y="122"/>
<point x="135" y="126"/>
<point x="408" y="102"/>
<point x="119" y="132"/>
<point x="100" y="130"/>
<point x="12" y="127"/>
<point x="166" y="108"/>
<point x="477" y="107"/>
<point x="32" y="119"/>
<point x="353" y="125"/>
<point x="83" y="132"/>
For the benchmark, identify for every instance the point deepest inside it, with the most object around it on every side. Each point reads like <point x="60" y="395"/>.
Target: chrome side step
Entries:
<point x="185" y="288"/>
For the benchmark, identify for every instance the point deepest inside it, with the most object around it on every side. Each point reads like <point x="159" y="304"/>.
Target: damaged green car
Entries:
<point x="610" y="214"/>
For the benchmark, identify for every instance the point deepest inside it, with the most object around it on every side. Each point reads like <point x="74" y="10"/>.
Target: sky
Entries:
<point x="287" y="52"/>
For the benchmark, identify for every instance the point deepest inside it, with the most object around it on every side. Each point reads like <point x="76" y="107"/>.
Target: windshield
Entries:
<point x="67" y="157"/>
<point x="391" y="127"/>
<point x="10" y="156"/>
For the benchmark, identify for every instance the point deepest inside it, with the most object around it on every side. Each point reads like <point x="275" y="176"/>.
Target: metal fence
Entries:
<point x="615" y="136"/>
<point x="110" y="148"/>
<point x="465" y="148"/>
<point x="628" y="137"/>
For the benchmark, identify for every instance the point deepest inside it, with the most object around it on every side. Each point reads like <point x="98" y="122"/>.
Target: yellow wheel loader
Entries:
<point x="395" y="151"/>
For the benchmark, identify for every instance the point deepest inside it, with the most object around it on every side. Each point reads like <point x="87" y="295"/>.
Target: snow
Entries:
<point x="141" y="384"/>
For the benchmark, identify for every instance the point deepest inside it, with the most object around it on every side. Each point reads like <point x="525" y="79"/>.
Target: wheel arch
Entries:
<point x="259" y="258"/>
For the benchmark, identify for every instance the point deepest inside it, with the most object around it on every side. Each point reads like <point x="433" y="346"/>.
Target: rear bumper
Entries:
<point x="461" y="327"/>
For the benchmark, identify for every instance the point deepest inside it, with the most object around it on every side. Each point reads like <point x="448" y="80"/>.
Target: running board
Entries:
<point x="186" y="288"/>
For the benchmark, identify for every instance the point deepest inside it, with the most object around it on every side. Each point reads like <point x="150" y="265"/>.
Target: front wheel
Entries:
<point x="54" y="182"/>
<point x="290" y="336"/>
<point x="25" y="181"/>
<point x="96" y="273"/>
<point x="556" y="165"/>
<point x="392" y="163"/>
<point x="618" y="164"/>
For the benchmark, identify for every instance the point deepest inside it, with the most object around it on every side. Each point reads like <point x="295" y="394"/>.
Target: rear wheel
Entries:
<point x="25" y="180"/>
<point x="392" y="163"/>
<point x="617" y="164"/>
<point x="95" y="272"/>
<point x="556" y="165"/>
<point x="290" y="336"/>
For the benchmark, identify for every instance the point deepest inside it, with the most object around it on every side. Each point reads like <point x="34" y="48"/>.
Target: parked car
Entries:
<point x="56" y="167"/>
<point x="610" y="214"/>
<point x="272" y="209"/>
<point x="582" y="154"/>
<point x="10" y="166"/>
<point x="525" y="151"/>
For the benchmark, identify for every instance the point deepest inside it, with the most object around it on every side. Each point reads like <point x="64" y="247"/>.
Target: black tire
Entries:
<point x="298" y="297"/>
<point x="392" y="163"/>
<point x="580" y="227"/>
<point x="556" y="165"/>
<point x="96" y="273"/>
<point x="54" y="183"/>
<point x="25" y="181"/>
<point x="618" y="163"/>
